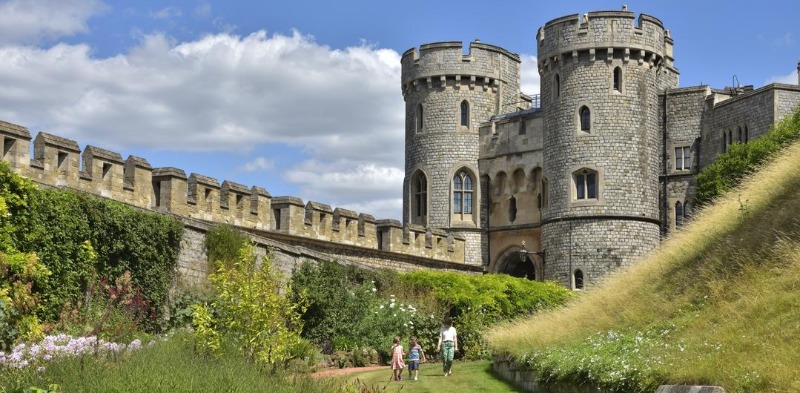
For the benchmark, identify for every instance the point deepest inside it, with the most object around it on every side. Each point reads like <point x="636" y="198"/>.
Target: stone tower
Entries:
<point x="603" y="77"/>
<point x="448" y="94"/>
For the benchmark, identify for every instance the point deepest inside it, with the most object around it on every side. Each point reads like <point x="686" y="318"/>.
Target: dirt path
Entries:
<point x="344" y="371"/>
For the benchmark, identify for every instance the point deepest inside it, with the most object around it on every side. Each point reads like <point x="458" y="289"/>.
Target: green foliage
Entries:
<point x="170" y="365"/>
<point x="179" y="309"/>
<point x="742" y="159"/>
<point x="15" y="195"/>
<point x="352" y="307"/>
<point x="251" y="310"/>
<point x="497" y="296"/>
<point x="115" y="312"/>
<point x="224" y="242"/>
<point x="20" y="276"/>
<point x="124" y="239"/>
<point x="339" y="297"/>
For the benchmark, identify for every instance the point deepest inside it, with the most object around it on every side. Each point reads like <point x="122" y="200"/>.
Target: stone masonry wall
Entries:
<point x="578" y="61"/>
<point x="439" y="77"/>
<point x="686" y="110"/>
<point x="58" y="162"/>
<point x="597" y="247"/>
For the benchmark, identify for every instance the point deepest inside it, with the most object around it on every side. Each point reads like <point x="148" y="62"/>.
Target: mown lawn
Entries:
<point x="466" y="377"/>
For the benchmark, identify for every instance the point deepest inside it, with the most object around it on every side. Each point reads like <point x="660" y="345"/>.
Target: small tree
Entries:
<point x="250" y="308"/>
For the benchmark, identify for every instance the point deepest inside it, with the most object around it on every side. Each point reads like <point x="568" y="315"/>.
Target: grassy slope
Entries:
<point x="718" y="303"/>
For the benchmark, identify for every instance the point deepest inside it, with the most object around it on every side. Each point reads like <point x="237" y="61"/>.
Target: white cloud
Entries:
<point x="26" y="21"/>
<point x="790" y="78"/>
<point x="529" y="77"/>
<point x="367" y="187"/>
<point x="371" y="179"/>
<point x="166" y="13"/>
<point x="259" y="164"/>
<point x="340" y="107"/>
<point x="221" y="92"/>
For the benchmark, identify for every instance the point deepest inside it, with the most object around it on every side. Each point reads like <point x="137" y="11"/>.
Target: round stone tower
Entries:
<point x="448" y="94"/>
<point x="603" y="77"/>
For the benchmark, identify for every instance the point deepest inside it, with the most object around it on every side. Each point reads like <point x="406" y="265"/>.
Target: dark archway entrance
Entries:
<point x="514" y="267"/>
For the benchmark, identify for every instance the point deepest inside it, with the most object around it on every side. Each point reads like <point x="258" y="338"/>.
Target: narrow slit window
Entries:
<point x="618" y="79"/>
<point x="586" y="119"/>
<point x="465" y="113"/>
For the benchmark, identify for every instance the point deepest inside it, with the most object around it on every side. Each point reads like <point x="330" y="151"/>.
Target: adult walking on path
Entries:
<point x="448" y="340"/>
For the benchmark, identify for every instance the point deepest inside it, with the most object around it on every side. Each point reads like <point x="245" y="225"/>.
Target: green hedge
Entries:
<point x="741" y="159"/>
<point x="352" y="307"/>
<point x="54" y="224"/>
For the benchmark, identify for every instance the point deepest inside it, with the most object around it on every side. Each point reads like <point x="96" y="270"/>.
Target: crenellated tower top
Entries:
<point x="431" y="65"/>
<point x="595" y="36"/>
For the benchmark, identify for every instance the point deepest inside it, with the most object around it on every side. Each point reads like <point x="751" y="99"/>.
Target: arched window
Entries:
<point x="465" y="113"/>
<point x="577" y="279"/>
<point x="420" y="118"/>
<point x="687" y="211"/>
<point x="512" y="209"/>
<point x="419" y="192"/>
<point x="558" y="86"/>
<point x="618" y="79"/>
<point x="585" y="184"/>
<point x="462" y="193"/>
<point x="586" y="119"/>
<point x="678" y="214"/>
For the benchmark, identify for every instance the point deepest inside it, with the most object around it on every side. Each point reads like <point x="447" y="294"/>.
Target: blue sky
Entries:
<point x="303" y="97"/>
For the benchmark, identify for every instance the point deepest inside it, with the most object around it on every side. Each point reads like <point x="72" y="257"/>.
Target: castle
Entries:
<point x="584" y="178"/>
<point x="567" y="186"/>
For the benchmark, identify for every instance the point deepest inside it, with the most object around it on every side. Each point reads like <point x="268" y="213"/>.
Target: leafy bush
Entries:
<point x="340" y="297"/>
<point x="352" y="307"/>
<point x="20" y="276"/>
<point x="251" y="310"/>
<point x="741" y="159"/>
<point x="125" y="239"/>
<point x="112" y="311"/>
<point x="60" y="228"/>
<point x="224" y="242"/>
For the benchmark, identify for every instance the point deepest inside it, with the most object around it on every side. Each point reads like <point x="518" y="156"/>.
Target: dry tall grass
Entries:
<point x="728" y="280"/>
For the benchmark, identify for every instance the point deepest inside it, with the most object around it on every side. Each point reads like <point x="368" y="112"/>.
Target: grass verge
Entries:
<point x="466" y="377"/>
<point x="715" y="305"/>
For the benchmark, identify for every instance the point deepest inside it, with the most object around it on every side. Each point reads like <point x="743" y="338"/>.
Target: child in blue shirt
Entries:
<point x="414" y="354"/>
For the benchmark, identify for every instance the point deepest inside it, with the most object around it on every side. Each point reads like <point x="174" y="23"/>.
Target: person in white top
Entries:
<point x="448" y="339"/>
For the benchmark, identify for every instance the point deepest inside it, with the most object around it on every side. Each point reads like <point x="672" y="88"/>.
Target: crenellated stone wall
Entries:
<point x="59" y="162"/>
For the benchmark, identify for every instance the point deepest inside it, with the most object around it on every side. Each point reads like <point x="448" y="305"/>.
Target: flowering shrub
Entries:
<point x="61" y="346"/>
<point x="113" y="312"/>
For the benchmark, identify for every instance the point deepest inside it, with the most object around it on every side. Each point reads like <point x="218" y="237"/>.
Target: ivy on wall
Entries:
<point x="743" y="158"/>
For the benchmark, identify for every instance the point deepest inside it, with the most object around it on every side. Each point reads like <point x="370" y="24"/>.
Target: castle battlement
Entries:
<point x="443" y="65"/>
<point x="602" y="36"/>
<point x="59" y="162"/>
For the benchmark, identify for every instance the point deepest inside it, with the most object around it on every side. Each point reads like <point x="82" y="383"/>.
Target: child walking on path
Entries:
<point x="397" y="360"/>
<point x="414" y="353"/>
<point x="448" y="339"/>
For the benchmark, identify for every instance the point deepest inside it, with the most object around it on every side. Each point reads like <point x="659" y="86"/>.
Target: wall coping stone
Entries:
<point x="14" y="130"/>
<point x="57" y="141"/>
<point x="204" y="180"/>
<point x="169" y="172"/>
<point x="103" y="154"/>
<point x="287" y="200"/>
